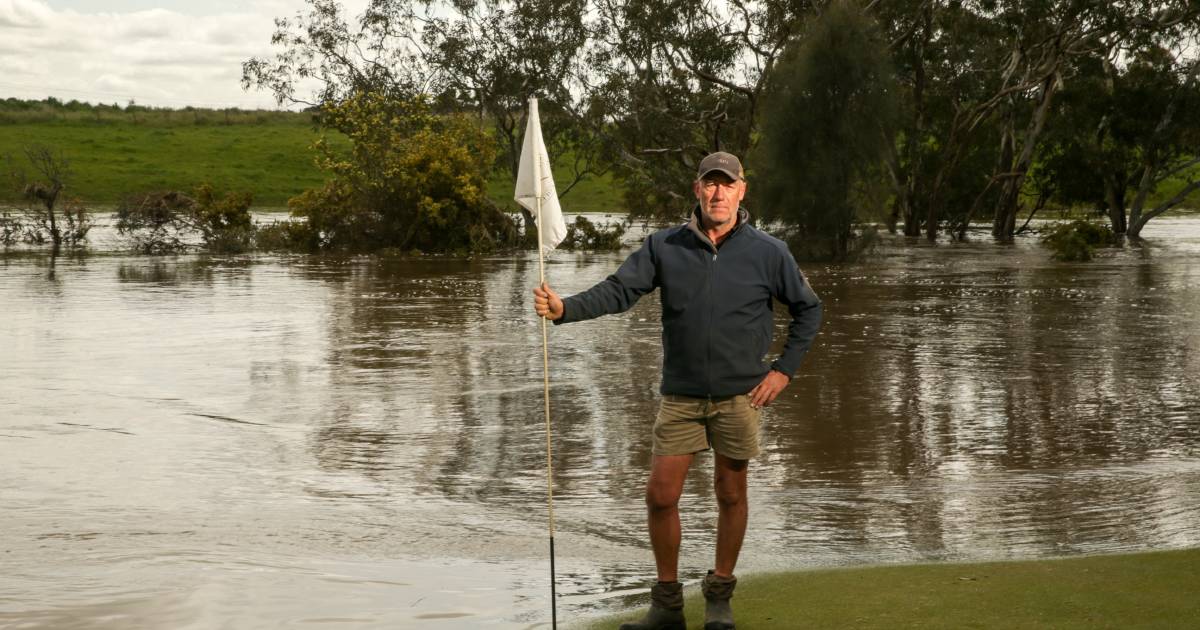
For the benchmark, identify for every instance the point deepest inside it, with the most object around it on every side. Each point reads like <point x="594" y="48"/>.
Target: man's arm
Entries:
<point x="792" y="289"/>
<point x="805" y="308"/>
<point x="615" y="294"/>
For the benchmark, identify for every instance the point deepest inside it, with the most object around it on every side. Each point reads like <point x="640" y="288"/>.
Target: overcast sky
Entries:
<point x="169" y="53"/>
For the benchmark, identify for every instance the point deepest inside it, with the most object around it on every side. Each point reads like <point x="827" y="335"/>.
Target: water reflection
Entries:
<point x="342" y="426"/>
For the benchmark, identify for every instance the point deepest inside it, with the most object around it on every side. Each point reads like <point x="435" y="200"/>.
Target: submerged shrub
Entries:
<point x="285" y="236"/>
<point x="169" y="222"/>
<point x="11" y="229"/>
<point x="1077" y="240"/>
<point x="411" y="181"/>
<point x="583" y="234"/>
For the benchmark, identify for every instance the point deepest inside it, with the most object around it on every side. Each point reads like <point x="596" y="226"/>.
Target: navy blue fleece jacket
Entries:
<point x="717" y="313"/>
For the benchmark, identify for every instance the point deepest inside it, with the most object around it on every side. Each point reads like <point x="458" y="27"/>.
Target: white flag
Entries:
<point x="535" y="181"/>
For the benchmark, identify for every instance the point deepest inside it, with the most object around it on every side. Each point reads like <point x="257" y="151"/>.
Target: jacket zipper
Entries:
<point x="712" y="308"/>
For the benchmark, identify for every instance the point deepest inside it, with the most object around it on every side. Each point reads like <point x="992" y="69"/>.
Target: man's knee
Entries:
<point x="730" y="495"/>
<point x="729" y="482"/>
<point x="662" y="496"/>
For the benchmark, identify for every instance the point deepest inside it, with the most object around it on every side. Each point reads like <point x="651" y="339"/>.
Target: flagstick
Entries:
<point x="546" y="398"/>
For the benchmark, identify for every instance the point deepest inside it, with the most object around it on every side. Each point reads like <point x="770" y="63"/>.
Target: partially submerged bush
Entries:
<point x="412" y="181"/>
<point x="1077" y="240"/>
<point x="33" y="226"/>
<point x="11" y="228"/>
<point x="170" y="222"/>
<point x="583" y="234"/>
<point x="285" y="236"/>
<point x="43" y="219"/>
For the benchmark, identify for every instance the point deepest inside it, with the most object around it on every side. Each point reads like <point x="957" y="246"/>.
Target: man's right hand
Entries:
<point x="547" y="303"/>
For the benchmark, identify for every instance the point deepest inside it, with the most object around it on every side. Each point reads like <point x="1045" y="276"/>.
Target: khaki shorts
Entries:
<point x="686" y="425"/>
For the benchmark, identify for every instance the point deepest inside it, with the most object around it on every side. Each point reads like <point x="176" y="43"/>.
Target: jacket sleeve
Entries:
<point x="617" y="293"/>
<point x="793" y="290"/>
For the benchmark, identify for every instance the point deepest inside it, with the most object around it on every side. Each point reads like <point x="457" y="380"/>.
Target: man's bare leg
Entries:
<point x="729" y="482"/>
<point x="667" y="474"/>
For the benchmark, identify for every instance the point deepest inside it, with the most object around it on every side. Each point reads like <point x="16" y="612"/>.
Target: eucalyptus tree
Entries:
<point x="1171" y="150"/>
<point x="974" y="72"/>
<point x="322" y="55"/>
<point x="947" y="66"/>
<point x="1128" y="131"/>
<point x="1050" y="39"/>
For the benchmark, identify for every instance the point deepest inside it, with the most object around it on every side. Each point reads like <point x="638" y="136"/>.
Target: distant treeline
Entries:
<point x="19" y="111"/>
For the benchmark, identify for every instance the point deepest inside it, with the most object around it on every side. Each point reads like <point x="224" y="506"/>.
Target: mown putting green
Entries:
<point x="1147" y="590"/>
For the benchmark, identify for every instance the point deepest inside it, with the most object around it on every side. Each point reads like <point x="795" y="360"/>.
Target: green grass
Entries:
<point x="1148" y="590"/>
<point x="111" y="159"/>
<point x="114" y="154"/>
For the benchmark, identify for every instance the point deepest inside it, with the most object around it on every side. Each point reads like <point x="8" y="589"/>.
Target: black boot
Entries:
<point x="666" y="609"/>
<point x="717" y="592"/>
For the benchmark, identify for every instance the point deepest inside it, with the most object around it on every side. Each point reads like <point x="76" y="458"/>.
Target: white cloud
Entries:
<point x="155" y="56"/>
<point x="23" y="14"/>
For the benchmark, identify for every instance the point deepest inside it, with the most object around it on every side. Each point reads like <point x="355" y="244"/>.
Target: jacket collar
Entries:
<point x="693" y="225"/>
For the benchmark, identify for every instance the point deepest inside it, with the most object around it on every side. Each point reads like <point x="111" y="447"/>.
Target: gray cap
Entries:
<point x="720" y="161"/>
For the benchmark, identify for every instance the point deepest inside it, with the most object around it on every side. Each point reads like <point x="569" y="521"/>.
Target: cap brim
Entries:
<point x="734" y="176"/>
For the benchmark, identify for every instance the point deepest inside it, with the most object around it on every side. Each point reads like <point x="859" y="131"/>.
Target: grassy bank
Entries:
<point x="1149" y="590"/>
<point x="113" y="158"/>
<point x="113" y="154"/>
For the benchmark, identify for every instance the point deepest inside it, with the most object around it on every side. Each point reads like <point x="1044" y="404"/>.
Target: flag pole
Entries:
<point x="546" y="398"/>
<point x="535" y="180"/>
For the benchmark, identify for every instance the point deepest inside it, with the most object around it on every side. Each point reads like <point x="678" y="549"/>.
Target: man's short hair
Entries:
<point x="721" y="162"/>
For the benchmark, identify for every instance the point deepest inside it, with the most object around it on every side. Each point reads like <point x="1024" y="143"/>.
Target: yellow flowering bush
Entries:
<point x="411" y="180"/>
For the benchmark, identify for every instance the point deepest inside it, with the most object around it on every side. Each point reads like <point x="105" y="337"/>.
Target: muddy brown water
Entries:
<point x="270" y="441"/>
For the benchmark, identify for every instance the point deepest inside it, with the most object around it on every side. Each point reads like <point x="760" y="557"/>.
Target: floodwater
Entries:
<point x="271" y="441"/>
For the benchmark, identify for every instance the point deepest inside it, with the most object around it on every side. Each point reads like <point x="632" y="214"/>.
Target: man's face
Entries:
<point x="719" y="196"/>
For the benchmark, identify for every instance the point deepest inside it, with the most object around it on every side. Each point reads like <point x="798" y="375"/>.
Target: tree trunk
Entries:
<point x="1006" y="210"/>
<point x="912" y="145"/>
<point x="1114" y="196"/>
<point x="934" y="210"/>
<point x="55" y="235"/>
<point x="912" y="224"/>
<point x="1004" y="165"/>
<point x="1138" y="220"/>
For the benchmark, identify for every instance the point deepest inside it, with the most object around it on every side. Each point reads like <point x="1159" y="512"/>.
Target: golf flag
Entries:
<point x="535" y="181"/>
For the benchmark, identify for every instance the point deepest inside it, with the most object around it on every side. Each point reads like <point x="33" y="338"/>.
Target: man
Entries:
<point x="718" y="276"/>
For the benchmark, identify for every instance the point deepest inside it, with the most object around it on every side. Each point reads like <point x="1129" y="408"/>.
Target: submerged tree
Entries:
<point x="1126" y="130"/>
<point x="973" y="73"/>
<point x="826" y="125"/>
<point x="45" y="217"/>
